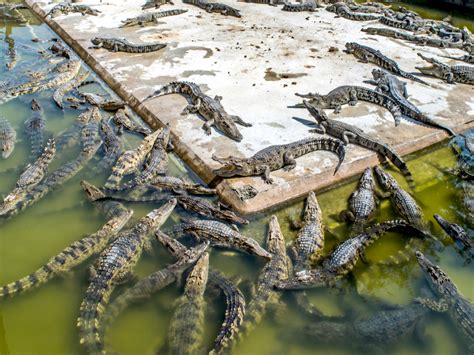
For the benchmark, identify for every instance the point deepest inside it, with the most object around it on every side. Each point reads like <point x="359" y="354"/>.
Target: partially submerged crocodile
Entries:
<point x="276" y="157"/>
<point x="123" y="121"/>
<point x="179" y="185"/>
<point x="34" y="128"/>
<point x="123" y="45"/>
<point x="462" y="240"/>
<point x="341" y="9"/>
<point x="99" y="101"/>
<point x="451" y="74"/>
<point x="68" y="86"/>
<point x="72" y="134"/>
<point x="111" y="144"/>
<point x="218" y="7"/>
<point x="209" y="108"/>
<point x="65" y="8"/>
<point x="148" y="17"/>
<point x="115" y="264"/>
<point x="307" y="5"/>
<point x="7" y="138"/>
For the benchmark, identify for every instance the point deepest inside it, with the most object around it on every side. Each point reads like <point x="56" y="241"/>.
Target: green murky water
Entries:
<point x="44" y="321"/>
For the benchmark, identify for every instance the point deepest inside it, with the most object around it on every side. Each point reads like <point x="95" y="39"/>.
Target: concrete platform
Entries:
<point x="256" y="64"/>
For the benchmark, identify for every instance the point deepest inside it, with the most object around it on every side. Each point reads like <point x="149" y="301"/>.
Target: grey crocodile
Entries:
<point x="460" y="237"/>
<point x="100" y="102"/>
<point x="70" y="136"/>
<point x="369" y="55"/>
<point x="123" y="121"/>
<point x="307" y="5"/>
<point x="209" y="108"/>
<point x="220" y="235"/>
<point x="156" y="4"/>
<point x="152" y="17"/>
<point x="111" y="144"/>
<point x="68" y="86"/>
<point x="179" y="185"/>
<point x="245" y="192"/>
<point x="7" y="138"/>
<point x="217" y="7"/>
<point x="451" y="74"/>
<point x="123" y="45"/>
<point x="66" y="8"/>
<point x="342" y="10"/>
<point x="276" y="157"/>
<point x="115" y="264"/>
<point x="34" y="129"/>
<point x="407" y="24"/>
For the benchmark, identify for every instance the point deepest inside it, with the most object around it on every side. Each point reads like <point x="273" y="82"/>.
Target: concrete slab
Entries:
<point x="256" y="64"/>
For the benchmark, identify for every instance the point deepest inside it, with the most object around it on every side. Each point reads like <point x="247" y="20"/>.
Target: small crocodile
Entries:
<point x="123" y="121"/>
<point x="369" y="55"/>
<point x="307" y="5"/>
<point x="7" y="138"/>
<point x="276" y="157"/>
<point x="60" y="50"/>
<point x="70" y="257"/>
<point x="123" y="45"/>
<point x="220" y="235"/>
<point x="209" y="108"/>
<point x="71" y="135"/>
<point x="186" y="329"/>
<point x="34" y="129"/>
<point x="245" y="192"/>
<point x="115" y="264"/>
<point x="218" y="7"/>
<point x="111" y="144"/>
<point x="407" y="24"/>
<point x="451" y="74"/>
<point x="156" y="4"/>
<point x="130" y="160"/>
<point x="142" y="19"/>
<point x="68" y="86"/>
<point x="351" y="134"/>
<point x="342" y="10"/>
<point x="65" y="8"/>
<point x="101" y="102"/>
<point x="179" y="185"/>
<point x="460" y="237"/>
<point x="451" y="300"/>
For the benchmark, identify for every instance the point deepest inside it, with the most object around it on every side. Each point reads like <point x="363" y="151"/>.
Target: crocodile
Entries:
<point x="60" y="50"/>
<point x="123" y="121"/>
<point x="123" y="45"/>
<point x="153" y="17"/>
<point x="245" y="192"/>
<point x="369" y="55"/>
<point x="342" y="10"/>
<point x="34" y="128"/>
<point x="7" y="138"/>
<point x="12" y="53"/>
<point x="71" y="256"/>
<point x="451" y="74"/>
<point x="72" y="134"/>
<point x="111" y="144"/>
<point x="456" y="232"/>
<point x="156" y="4"/>
<point x="218" y="7"/>
<point x="276" y="157"/>
<point x="100" y="102"/>
<point x="68" y="86"/>
<point x="206" y="209"/>
<point x="451" y="300"/>
<point x="351" y="134"/>
<point x="130" y="160"/>
<point x="220" y="235"/>
<point x="403" y="203"/>
<point x="307" y="5"/>
<point x="277" y="269"/>
<point x="179" y="185"/>
<point x="114" y="265"/>
<point x="65" y="8"/>
<point x="407" y="24"/>
<point x="209" y="108"/>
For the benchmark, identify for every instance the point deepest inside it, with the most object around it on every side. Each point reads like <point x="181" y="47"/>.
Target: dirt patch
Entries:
<point x="270" y="75"/>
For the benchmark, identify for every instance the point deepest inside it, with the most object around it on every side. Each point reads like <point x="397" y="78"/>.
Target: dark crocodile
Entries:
<point x="342" y="10"/>
<point x="68" y="86"/>
<point x="460" y="237"/>
<point x="115" y="265"/>
<point x="451" y="300"/>
<point x="217" y="7"/>
<point x="60" y="50"/>
<point x="7" y="138"/>
<point x="152" y="17"/>
<point x="451" y="74"/>
<point x="112" y="146"/>
<point x="351" y="134"/>
<point x="276" y="157"/>
<point x="156" y="4"/>
<point x="34" y="129"/>
<point x="179" y="185"/>
<point x="307" y="5"/>
<point x="220" y="235"/>
<point x="245" y="192"/>
<point x="407" y="24"/>
<point x="369" y="55"/>
<point x="209" y="108"/>
<point x="123" y="121"/>
<point x="99" y="101"/>
<point x="66" y="8"/>
<point x="123" y="45"/>
<point x="70" y="257"/>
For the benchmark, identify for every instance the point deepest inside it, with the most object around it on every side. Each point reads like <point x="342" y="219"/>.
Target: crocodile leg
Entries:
<point x="289" y="161"/>
<point x="450" y="78"/>
<point x="207" y="126"/>
<point x="266" y="175"/>
<point x="319" y="130"/>
<point x="240" y="121"/>
<point x="347" y="136"/>
<point x="190" y="109"/>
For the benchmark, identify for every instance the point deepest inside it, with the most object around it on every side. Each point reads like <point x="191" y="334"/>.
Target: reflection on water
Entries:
<point x="44" y="321"/>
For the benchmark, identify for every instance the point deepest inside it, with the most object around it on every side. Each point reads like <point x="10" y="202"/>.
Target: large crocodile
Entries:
<point x="220" y="235"/>
<point x="351" y="134"/>
<point x="110" y="104"/>
<point x="218" y="7"/>
<point x="7" y="138"/>
<point x="34" y="129"/>
<point x="65" y="8"/>
<point x="123" y="45"/>
<point x="407" y="24"/>
<point x="148" y="17"/>
<point x="156" y="4"/>
<point x="452" y="74"/>
<point x="307" y="5"/>
<point x="123" y="121"/>
<point x="276" y="157"/>
<point x="68" y="86"/>
<point x="179" y="185"/>
<point x="369" y="55"/>
<point x="70" y="257"/>
<point x="451" y="300"/>
<point x="115" y="264"/>
<point x="111" y="144"/>
<point x="341" y="9"/>
<point x="209" y="108"/>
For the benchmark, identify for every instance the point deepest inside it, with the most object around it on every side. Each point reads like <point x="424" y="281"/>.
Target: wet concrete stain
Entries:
<point x="270" y="75"/>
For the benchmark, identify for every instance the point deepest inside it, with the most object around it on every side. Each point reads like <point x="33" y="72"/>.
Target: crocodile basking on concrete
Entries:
<point x="71" y="135"/>
<point x="220" y="235"/>
<point x="276" y="157"/>
<point x="123" y="121"/>
<point x="34" y="129"/>
<point x="112" y="146"/>
<point x="341" y="9"/>
<point x="65" y="8"/>
<point x="451" y="300"/>
<point x="179" y="185"/>
<point x="369" y="55"/>
<point x="68" y="86"/>
<point x="70" y="257"/>
<point x="156" y="4"/>
<point x="123" y="45"/>
<point x="148" y="17"/>
<point x="351" y="134"/>
<point x="100" y="101"/>
<point x="307" y="5"/>
<point x="217" y="7"/>
<point x="407" y="24"/>
<point x="209" y="108"/>
<point x="115" y="265"/>
<point x="451" y="74"/>
<point x="7" y="138"/>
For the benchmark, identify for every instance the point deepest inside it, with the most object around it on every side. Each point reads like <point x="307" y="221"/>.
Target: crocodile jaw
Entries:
<point x="433" y="70"/>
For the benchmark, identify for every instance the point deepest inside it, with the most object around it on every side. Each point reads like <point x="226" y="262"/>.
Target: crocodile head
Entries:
<point x="96" y="41"/>
<point x="312" y="210"/>
<point x="158" y="216"/>
<point x="453" y="230"/>
<point x="7" y="148"/>
<point x="305" y="279"/>
<point x="275" y="239"/>
<point x="226" y="124"/>
<point x="234" y="167"/>
<point x="437" y="70"/>
<point x="438" y="280"/>
<point x="350" y="47"/>
<point x="367" y="180"/>
<point x="315" y="110"/>
<point x="378" y="73"/>
<point x="385" y="179"/>
<point x="93" y="193"/>
<point x="252" y="247"/>
<point x="197" y="278"/>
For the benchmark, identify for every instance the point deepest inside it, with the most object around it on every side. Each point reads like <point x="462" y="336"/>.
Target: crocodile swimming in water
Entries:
<point x="65" y="8"/>
<point x="123" y="45"/>
<point x="148" y="17"/>
<point x="209" y="108"/>
<point x="451" y="74"/>
<point x="72" y="134"/>
<point x="276" y="157"/>
<point x="463" y="242"/>
<point x="34" y="129"/>
<point x="217" y="7"/>
<point x="68" y="86"/>
<point x="112" y="146"/>
<point x="180" y="185"/>
<point x="115" y="265"/>
<point x="123" y="121"/>
<point x="7" y="138"/>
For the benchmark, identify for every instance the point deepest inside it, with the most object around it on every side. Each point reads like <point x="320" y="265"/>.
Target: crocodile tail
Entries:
<point x="113" y="181"/>
<point x="398" y="162"/>
<point x="336" y="146"/>
<point x="412" y="77"/>
<point x="171" y="12"/>
<point x="35" y="279"/>
<point x="175" y="87"/>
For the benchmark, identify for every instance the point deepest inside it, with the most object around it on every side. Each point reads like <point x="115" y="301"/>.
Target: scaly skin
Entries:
<point x="218" y="7"/>
<point x="369" y="55"/>
<point x="100" y="102"/>
<point x="156" y="4"/>
<point x="276" y="157"/>
<point x="351" y="134"/>
<point x="405" y="25"/>
<point x="7" y="138"/>
<point x="115" y="263"/>
<point x="34" y="128"/>
<point x="123" y="121"/>
<point x="70" y="257"/>
<point x="68" y="86"/>
<point x="455" y="231"/>
<point x="468" y="58"/>
<point x="455" y="74"/>
<point x="66" y="8"/>
<point x="341" y="9"/>
<point x="187" y="324"/>
<point x="179" y="185"/>
<point x="152" y="17"/>
<point x="221" y="235"/>
<point x="308" y="5"/>
<point x="451" y="300"/>
<point x="111" y="144"/>
<point x="71" y="135"/>
<point x="209" y="108"/>
<point x="123" y="45"/>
